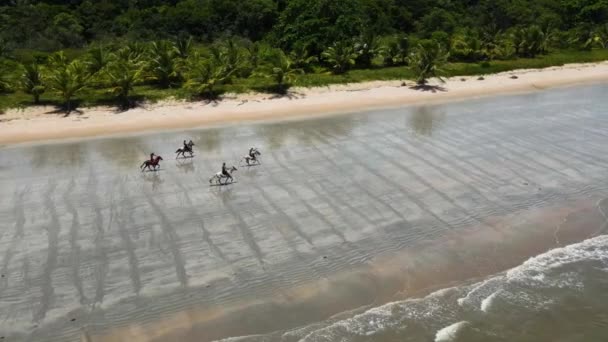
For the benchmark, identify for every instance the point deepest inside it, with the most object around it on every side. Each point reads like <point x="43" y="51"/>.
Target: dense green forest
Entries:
<point x="61" y="50"/>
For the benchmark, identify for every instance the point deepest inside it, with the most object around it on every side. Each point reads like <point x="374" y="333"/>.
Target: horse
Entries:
<point x="151" y="165"/>
<point x="218" y="177"/>
<point x="248" y="158"/>
<point x="183" y="150"/>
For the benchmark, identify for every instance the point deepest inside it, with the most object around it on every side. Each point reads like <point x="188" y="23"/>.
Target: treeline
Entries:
<point x="50" y="25"/>
<point x="200" y="45"/>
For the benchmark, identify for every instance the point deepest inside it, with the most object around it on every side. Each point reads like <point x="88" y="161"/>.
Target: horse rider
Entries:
<point x="252" y="151"/>
<point x="225" y="170"/>
<point x="187" y="147"/>
<point x="151" y="157"/>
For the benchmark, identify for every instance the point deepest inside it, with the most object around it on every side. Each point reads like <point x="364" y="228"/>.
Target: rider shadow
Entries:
<point x="185" y="165"/>
<point x="154" y="179"/>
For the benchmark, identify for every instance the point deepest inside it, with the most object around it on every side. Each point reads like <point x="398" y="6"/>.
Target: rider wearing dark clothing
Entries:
<point x="151" y="157"/>
<point x="225" y="170"/>
<point x="252" y="153"/>
<point x="186" y="147"/>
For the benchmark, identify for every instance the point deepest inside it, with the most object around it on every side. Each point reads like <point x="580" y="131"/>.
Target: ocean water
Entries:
<point x="561" y="295"/>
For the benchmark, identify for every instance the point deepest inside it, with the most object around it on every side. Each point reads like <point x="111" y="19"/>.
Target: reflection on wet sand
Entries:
<point x="425" y="119"/>
<point x="277" y="134"/>
<point x="185" y="165"/>
<point x="343" y="212"/>
<point x="65" y="155"/>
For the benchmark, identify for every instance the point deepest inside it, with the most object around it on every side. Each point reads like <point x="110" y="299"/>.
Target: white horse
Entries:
<point x="219" y="176"/>
<point x="183" y="150"/>
<point x="248" y="158"/>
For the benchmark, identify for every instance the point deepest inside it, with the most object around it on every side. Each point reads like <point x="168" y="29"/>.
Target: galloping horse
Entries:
<point x="218" y="177"/>
<point x="182" y="151"/>
<point x="249" y="158"/>
<point x="151" y="165"/>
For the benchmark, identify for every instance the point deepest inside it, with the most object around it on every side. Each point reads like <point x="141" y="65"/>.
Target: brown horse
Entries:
<point x="151" y="165"/>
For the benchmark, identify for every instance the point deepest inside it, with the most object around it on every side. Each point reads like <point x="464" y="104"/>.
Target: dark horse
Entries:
<point x="186" y="149"/>
<point x="151" y="165"/>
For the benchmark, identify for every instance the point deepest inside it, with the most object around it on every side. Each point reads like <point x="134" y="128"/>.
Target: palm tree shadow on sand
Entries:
<point x="428" y="87"/>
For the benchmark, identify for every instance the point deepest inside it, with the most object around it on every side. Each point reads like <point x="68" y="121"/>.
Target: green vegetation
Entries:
<point x="88" y="52"/>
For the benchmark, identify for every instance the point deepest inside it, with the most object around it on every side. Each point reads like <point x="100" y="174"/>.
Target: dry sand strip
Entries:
<point x="41" y="123"/>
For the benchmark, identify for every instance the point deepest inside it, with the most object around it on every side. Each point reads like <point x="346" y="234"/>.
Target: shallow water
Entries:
<point x="344" y="215"/>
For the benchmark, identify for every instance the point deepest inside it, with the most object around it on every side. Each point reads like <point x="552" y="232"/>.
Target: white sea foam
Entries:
<point x="544" y="270"/>
<point x="536" y="268"/>
<point x="449" y="333"/>
<point x="487" y="302"/>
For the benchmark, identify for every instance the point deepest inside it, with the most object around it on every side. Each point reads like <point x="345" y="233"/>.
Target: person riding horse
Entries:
<point x="187" y="147"/>
<point x="151" y="157"/>
<point x="252" y="154"/>
<point x="225" y="170"/>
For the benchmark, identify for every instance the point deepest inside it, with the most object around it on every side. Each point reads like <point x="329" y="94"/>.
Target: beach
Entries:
<point x="475" y="220"/>
<point x="45" y="123"/>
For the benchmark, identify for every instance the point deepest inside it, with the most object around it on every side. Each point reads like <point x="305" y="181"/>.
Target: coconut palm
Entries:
<point x="122" y="74"/>
<point x="367" y="48"/>
<point x="67" y="78"/>
<point x="530" y="41"/>
<point x="97" y="59"/>
<point x="426" y="61"/>
<point x="467" y="47"/>
<point x="340" y="56"/>
<point x="230" y="55"/>
<point x="31" y="81"/>
<point x="395" y="51"/>
<point x="204" y="74"/>
<point x="301" y="59"/>
<point x="600" y="36"/>
<point x="281" y="70"/>
<point x="163" y="62"/>
<point x="5" y="82"/>
<point x="183" y="46"/>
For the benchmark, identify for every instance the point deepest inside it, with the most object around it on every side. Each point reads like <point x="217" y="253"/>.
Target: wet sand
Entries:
<point x="45" y="123"/>
<point x="344" y="213"/>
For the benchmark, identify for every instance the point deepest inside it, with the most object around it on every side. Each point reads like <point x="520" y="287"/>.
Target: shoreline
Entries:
<point x="383" y="279"/>
<point x="40" y="124"/>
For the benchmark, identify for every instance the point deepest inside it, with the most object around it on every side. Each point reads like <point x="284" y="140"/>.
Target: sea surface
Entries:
<point x="479" y="220"/>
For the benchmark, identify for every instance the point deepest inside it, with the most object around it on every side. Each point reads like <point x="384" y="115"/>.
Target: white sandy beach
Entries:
<point x="42" y="123"/>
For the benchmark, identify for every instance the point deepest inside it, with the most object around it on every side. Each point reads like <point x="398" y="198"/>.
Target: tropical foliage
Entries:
<point x="426" y="61"/>
<point x="59" y="49"/>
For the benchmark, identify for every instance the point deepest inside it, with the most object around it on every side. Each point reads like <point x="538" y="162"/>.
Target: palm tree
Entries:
<point x="600" y="36"/>
<point x="5" y="82"/>
<point x="281" y="69"/>
<point x="97" y="59"/>
<point x="530" y="41"/>
<point x="367" y="48"/>
<point x="341" y="56"/>
<point x="426" y="61"/>
<point x="4" y="48"/>
<point x="467" y="47"/>
<point x="162" y="64"/>
<point x="31" y="81"/>
<point x="395" y="51"/>
<point x="230" y="55"/>
<point x="204" y="74"/>
<point x="301" y="59"/>
<point x="183" y="46"/>
<point x="67" y="78"/>
<point x="122" y="74"/>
